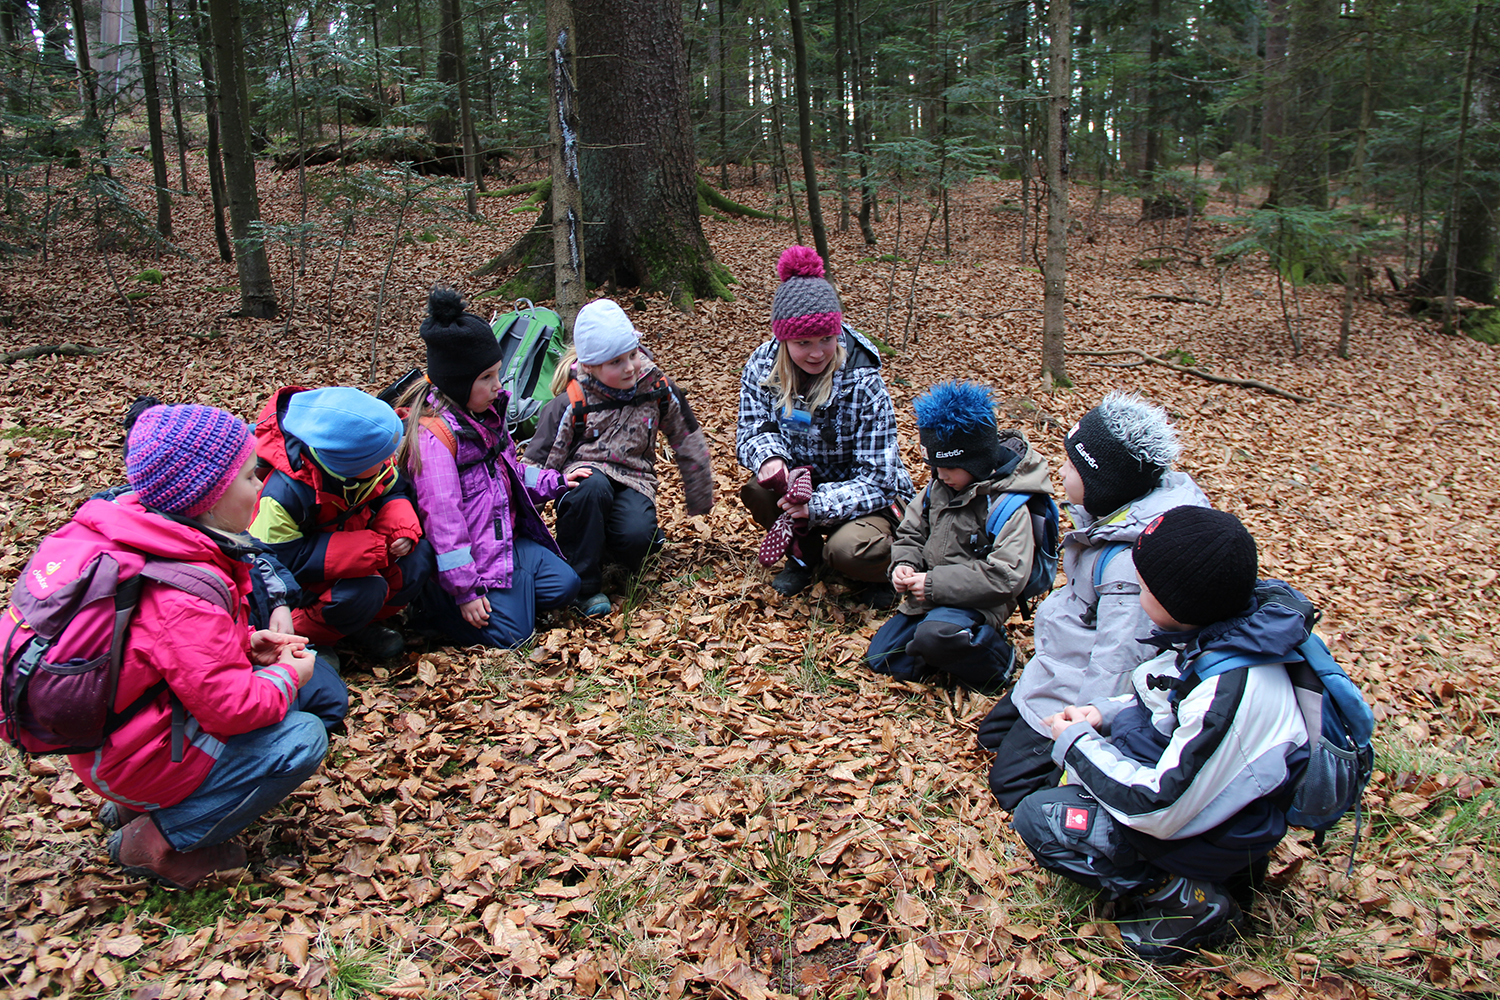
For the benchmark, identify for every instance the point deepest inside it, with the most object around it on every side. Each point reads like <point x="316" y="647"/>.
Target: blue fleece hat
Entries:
<point x="349" y="431"/>
<point x="956" y="424"/>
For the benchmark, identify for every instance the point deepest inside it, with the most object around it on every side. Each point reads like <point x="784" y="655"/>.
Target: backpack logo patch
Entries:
<point x="1077" y="819"/>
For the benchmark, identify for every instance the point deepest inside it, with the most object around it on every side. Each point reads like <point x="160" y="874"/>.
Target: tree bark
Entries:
<point x="257" y="291"/>
<point x="804" y="141"/>
<point x="1054" y="276"/>
<point x="153" y="120"/>
<point x="88" y="82"/>
<point x="211" y="114"/>
<point x="465" y="119"/>
<point x="639" y="173"/>
<point x="568" y="261"/>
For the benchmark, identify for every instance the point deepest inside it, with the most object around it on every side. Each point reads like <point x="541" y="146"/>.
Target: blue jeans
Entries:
<point x="324" y="695"/>
<point x="540" y="580"/>
<point x="254" y="772"/>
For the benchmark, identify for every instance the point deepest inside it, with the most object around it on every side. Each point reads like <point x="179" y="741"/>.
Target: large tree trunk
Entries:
<point x="1302" y="173"/>
<point x="640" y="194"/>
<point x="1054" y="274"/>
<point x="257" y="292"/>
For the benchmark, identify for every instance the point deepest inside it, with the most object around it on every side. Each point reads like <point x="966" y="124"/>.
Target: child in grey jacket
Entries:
<point x="959" y="581"/>
<point x="1117" y="479"/>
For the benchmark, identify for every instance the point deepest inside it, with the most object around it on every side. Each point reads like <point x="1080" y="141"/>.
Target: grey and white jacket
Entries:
<point x="1087" y="642"/>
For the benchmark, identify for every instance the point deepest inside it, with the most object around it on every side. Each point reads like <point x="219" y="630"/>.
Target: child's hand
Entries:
<point x="1062" y="720"/>
<point x="770" y="469"/>
<point x="917" y="586"/>
<point x="901" y="577"/>
<point x="281" y="620"/>
<point x="267" y="647"/>
<point x="578" y="475"/>
<point x="300" y="659"/>
<point x="398" y="547"/>
<point x="797" y="510"/>
<point x="476" y="612"/>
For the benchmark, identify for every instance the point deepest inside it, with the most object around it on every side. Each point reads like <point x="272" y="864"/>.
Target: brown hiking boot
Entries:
<point x="142" y="851"/>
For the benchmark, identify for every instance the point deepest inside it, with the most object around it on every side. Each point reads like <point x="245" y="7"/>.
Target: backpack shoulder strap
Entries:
<point x="440" y="430"/>
<point x="1105" y="558"/>
<point x="1002" y="506"/>
<point x="580" y="409"/>
<point x="202" y="583"/>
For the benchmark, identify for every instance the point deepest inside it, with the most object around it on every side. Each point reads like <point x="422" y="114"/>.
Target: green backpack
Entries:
<point x="532" y="341"/>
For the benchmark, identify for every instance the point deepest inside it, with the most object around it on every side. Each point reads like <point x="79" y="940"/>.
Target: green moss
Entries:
<point x="1483" y="324"/>
<point x="150" y="276"/>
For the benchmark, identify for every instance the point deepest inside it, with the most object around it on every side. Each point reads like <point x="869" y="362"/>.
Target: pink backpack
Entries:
<point x="63" y="638"/>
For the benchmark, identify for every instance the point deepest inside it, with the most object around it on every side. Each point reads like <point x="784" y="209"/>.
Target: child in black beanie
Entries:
<point x="1118" y="477"/>
<point x="1178" y="790"/>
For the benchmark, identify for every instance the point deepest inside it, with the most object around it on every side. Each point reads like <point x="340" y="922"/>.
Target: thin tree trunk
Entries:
<point x="804" y="135"/>
<point x="1059" y="83"/>
<point x="88" y="84"/>
<point x="1450" y="282"/>
<point x="257" y="291"/>
<point x="211" y="114"/>
<point x="841" y="109"/>
<point x="153" y="120"/>
<point x="861" y="128"/>
<point x="567" y="194"/>
<point x="465" y="119"/>
<point x="176" y="89"/>
<point x="291" y="64"/>
<point x="1352" y="279"/>
<point x="723" y="102"/>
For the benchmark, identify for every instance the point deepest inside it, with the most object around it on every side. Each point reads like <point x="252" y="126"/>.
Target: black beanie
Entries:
<point x="460" y="345"/>
<point x="1112" y="476"/>
<point x="1199" y="564"/>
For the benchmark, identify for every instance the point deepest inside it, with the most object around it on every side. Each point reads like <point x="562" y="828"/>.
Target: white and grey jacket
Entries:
<point x="1087" y="642"/>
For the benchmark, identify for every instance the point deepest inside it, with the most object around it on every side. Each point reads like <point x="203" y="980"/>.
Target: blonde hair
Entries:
<point x="785" y="375"/>
<point x="408" y="455"/>
<point x="563" y="373"/>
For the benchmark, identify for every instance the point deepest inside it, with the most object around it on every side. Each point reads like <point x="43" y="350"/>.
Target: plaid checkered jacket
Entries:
<point x="850" y="443"/>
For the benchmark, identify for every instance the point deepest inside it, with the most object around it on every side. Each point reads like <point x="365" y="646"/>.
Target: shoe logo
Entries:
<point x="1199" y="895"/>
<point x="1076" y="819"/>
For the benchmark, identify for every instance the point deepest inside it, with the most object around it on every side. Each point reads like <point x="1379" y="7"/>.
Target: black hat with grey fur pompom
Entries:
<point x="460" y="345"/>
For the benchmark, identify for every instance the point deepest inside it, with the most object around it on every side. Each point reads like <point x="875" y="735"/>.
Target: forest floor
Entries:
<point x="707" y="794"/>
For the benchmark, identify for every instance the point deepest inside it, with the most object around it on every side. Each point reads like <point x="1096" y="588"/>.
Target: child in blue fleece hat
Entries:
<point x="339" y="514"/>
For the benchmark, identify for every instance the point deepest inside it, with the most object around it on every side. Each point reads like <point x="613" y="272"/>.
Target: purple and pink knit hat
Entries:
<point x="181" y="459"/>
<point x="805" y="305"/>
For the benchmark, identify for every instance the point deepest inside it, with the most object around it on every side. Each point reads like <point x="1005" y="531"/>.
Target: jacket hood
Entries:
<point x="127" y="522"/>
<point x="1270" y="630"/>
<point x="1030" y="474"/>
<point x="1177" y="489"/>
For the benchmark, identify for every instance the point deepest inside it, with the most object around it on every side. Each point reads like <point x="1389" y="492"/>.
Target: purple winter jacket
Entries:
<point x="473" y="503"/>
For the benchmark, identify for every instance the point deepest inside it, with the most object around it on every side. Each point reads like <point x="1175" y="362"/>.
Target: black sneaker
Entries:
<point x="378" y="642"/>
<point x="1170" y="924"/>
<point x="793" y="579"/>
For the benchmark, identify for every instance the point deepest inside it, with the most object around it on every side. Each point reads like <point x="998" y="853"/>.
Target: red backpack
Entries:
<point x="63" y="638"/>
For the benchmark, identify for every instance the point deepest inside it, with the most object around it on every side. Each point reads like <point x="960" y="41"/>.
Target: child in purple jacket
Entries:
<point x="497" y="565"/>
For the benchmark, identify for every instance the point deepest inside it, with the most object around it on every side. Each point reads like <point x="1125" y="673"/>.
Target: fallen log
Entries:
<point x="1248" y="383"/>
<point x="47" y="350"/>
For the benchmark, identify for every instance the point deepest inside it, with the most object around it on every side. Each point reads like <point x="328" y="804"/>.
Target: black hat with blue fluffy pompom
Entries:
<point x="956" y="423"/>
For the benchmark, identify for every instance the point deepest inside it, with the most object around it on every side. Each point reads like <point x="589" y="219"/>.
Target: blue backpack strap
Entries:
<point x="1002" y="507"/>
<point x="1105" y="557"/>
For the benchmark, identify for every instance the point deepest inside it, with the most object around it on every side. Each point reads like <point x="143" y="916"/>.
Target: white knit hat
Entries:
<point x="603" y="332"/>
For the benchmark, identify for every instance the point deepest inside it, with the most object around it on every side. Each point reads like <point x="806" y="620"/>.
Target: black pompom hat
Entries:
<point x="460" y="345"/>
<point x="1199" y="563"/>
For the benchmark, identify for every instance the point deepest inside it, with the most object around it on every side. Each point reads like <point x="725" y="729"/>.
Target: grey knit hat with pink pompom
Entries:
<point x="805" y="305"/>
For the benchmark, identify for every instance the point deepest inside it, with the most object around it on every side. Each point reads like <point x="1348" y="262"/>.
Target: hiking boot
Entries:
<point x="596" y="606"/>
<point x="141" y="850"/>
<point x="378" y="642"/>
<point x="1169" y="924"/>
<point x="112" y="815"/>
<point x="793" y="579"/>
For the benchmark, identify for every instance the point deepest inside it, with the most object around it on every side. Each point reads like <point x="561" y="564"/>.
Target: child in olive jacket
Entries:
<point x="959" y="583"/>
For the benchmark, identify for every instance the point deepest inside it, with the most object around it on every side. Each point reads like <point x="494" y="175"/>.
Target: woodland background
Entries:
<point x="706" y="794"/>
